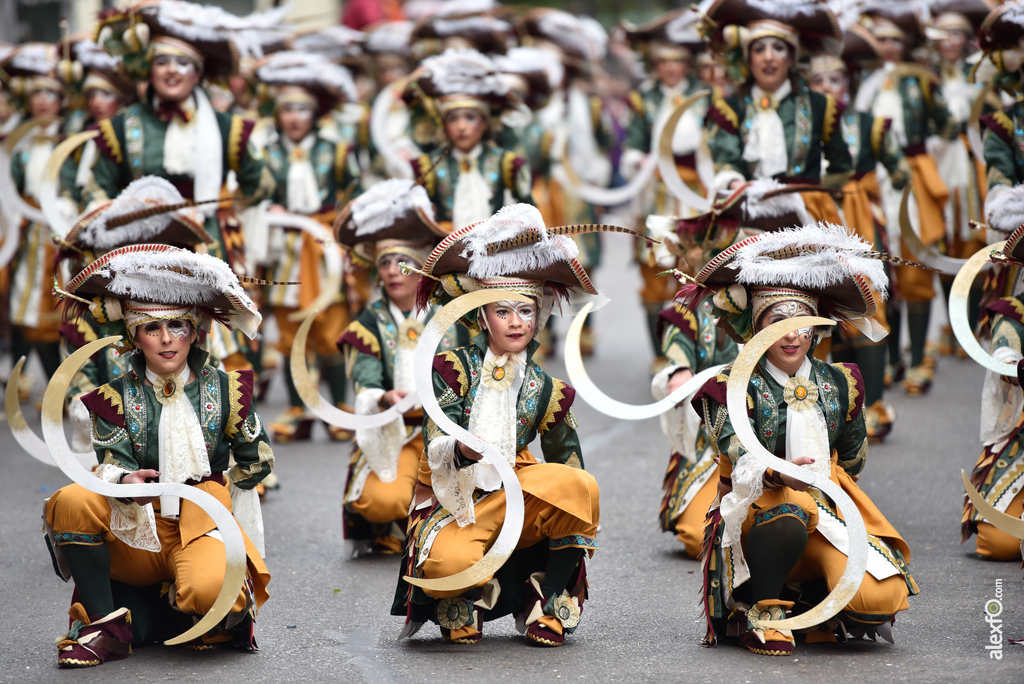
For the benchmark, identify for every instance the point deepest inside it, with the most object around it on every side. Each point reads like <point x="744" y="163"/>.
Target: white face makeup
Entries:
<point x="787" y="309"/>
<point x="178" y="328"/>
<point x="527" y="312"/>
<point x="296" y="109"/>
<point x="183" y="65"/>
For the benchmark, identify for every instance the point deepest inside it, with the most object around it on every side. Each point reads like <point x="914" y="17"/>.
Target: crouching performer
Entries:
<point x="773" y="545"/>
<point x="494" y="389"/>
<point x="148" y="569"/>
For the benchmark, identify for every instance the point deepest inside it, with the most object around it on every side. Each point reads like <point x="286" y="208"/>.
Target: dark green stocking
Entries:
<point x="560" y="566"/>
<point x="90" y="567"/>
<point x="918" y="314"/>
<point x="870" y="358"/>
<point x="334" y="373"/>
<point x="895" y="320"/>
<point x="652" y="327"/>
<point x="772" y="550"/>
<point x="293" y="394"/>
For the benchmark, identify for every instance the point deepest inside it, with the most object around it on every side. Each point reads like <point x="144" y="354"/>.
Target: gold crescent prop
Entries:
<point x="382" y="105"/>
<point x="333" y="278"/>
<point x="512" y="527"/>
<point x="666" y="159"/>
<point x="998" y="519"/>
<point x="974" y="122"/>
<point x="857" y="557"/>
<point x="8" y="239"/>
<point x="234" y="543"/>
<point x="926" y="254"/>
<point x="590" y="392"/>
<point x="23" y="434"/>
<point x="48" y="188"/>
<point x="10" y="198"/>
<point x="325" y="410"/>
<point x="958" y="316"/>
<point x="566" y="175"/>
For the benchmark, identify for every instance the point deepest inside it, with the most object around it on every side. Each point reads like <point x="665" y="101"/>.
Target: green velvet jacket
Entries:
<point x="646" y="103"/>
<point x="1004" y="146"/>
<point x="811" y="123"/>
<point x="126" y="420"/>
<point x="334" y="165"/>
<point x="690" y="339"/>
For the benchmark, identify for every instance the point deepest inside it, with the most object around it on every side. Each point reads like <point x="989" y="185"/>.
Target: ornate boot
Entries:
<point x="292" y="426"/>
<point x="766" y="640"/>
<point x="461" y="620"/>
<point x="879" y="419"/>
<point x="918" y="380"/>
<point x="91" y="642"/>
<point x="338" y="434"/>
<point x="549" y="619"/>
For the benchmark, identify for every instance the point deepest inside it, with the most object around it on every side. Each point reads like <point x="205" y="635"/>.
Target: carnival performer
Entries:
<point x="870" y="142"/>
<point x="113" y="547"/>
<point x="389" y="225"/>
<point x="773" y="546"/>
<point x="495" y="389"/>
<point x="691" y="343"/>
<point x="129" y="219"/>
<point x="35" y="322"/>
<point x="468" y="180"/>
<point x="997" y="474"/>
<point x="951" y="31"/>
<point x="669" y="44"/>
<point x="774" y="126"/>
<point x="312" y="175"/>
<point x="911" y="97"/>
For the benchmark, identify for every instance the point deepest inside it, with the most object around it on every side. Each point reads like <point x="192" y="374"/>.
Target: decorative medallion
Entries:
<point x="409" y="332"/>
<point x="800" y="393"/>
<point x="454" y="612"/>
<point x="498" y="373"/>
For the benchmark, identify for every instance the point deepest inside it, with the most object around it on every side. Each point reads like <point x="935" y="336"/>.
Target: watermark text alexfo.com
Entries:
<point x="993" y="609"/>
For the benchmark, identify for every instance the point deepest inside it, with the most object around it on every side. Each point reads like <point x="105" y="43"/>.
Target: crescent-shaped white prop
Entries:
<point x="666" y="160"/>
<point x="512" y="527"/>
<point x="382" y="105"/>
<point x="958" y="315"/>
<point x="857" y="558"/>
<point x="10" y="234"/>
<point x="51" y="176"/>
<point x="11" y="200"/>
<point x="234" y="543"/>
<point x="592" y="394"/>
<point x="325" y="410"/>
<point x="334" y="277"/>
<point x="23" y="434"/>
<point x="993" y="516"/>
<point x="926" y="254"/>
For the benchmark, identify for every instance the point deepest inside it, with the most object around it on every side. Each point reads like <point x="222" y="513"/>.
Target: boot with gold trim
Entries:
<point x="95" y="640"/>
<point x="766" y="640"/>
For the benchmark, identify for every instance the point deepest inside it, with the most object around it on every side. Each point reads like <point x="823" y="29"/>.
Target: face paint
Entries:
<point x="527" y="312"/>
<point x="177" y="328"/>
<point x="788" y="309"/>
<point x="183" y="65"/>
<point x="302" y="111"/>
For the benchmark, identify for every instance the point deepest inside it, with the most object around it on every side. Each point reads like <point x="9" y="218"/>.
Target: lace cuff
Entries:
<point x="453" y="486"/>
<point x="381" y="445"/>
<point x="133" y="524"/>
<point x="747" y="487"/>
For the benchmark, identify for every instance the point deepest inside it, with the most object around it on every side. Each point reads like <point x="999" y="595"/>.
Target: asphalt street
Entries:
<point x="327" y="618"/>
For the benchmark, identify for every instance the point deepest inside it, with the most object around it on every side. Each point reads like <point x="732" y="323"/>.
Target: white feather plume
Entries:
<point x="756" y="206"/>
<point x="35" y="58"/>
<point x="469" y="25"/>
<point x="93" y="56"/>
<point x="392" y="38"/>
<point x="683" y="29"/>
<point x="837" y="254"/>
<point x="192" y="22"/>
<point x="386" y="202"/>
<point x="333" y="42"/>
<point x="180" y="277"/>
<point x="143" y="193"/>
<point x="460" y="8"/>
<point x="525" y="60"/>
<point x="510" y="222"/>
<point x="302" y="68"/>
<point x="465" y="71"/>
<point x="1004" y="208"/>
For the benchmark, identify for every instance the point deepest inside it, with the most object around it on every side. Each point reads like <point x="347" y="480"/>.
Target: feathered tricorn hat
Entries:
<point x="579" y="41"/>
<point x="102" y="71"/>
<point x="391" y="212"/>
<point x="210" y="36"/>
<point x="514" y="250"/>
<point x="339" y="44"/>
<point x="326" y="82"/>
<point x="32" y="66"/>
<point x="149" y="210"/>
<point x="963" y="15"/>
<point x="804" y="24"/>
<point x="762" y="205"/>
<point x="899" y="20"/>
<point x="531" y="74"/>
<point x="1002" y="47"/>
<point x="821" y="263"/>
<point x="1013" y="251"/>
<point x="672" y="36"/>
<point x="461" y="23"/>
<point x="160" y="275"/>
<point x="462" y="77"/>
